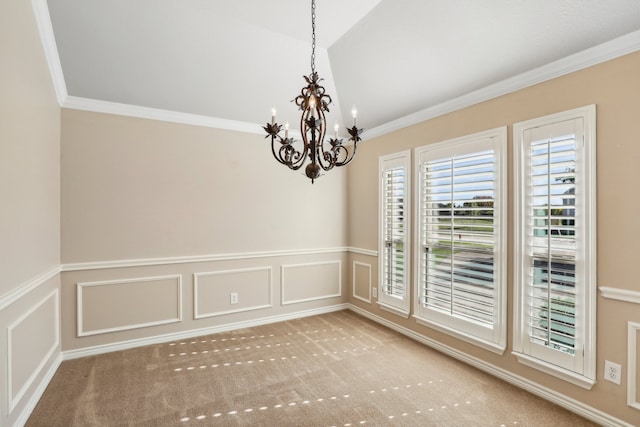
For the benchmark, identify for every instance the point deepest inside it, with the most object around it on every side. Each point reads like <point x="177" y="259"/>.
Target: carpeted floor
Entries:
<point x="336" y="369"/>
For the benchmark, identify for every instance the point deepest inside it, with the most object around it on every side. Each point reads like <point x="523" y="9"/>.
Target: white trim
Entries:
<point x="462" y="335"/>
<point x="554" y="370"/>
<point x="158" y="339"/>
<point x="282" y="284"/>
<point x="393" y="309"/>
<point x="394" y="303"/>
<point x="604" y="52"/>
<point x="129" y="110"/>
<point x="144" y="262"/>
<point x="492" y="338"/>
<point x="632" y="362"/>
<point x="79" y="308"/>
<point x="48" y="40"/>
<point x="31" y="284"/>
<point x="595" y="55"/>
<point x="583" y="362"/>
<point x="550" y="395"/>
<point x="30" y="405"/>
<point x="353" y="281"/>
<point x="14" y="400"/>
<point x="196" y="276"/>
<point x="625" y="295"/>
<point x="362" y="251"/>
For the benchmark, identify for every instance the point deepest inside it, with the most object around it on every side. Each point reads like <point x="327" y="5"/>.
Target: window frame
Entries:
<point x="583" y="371"/>
<point x="494" y="340"/>
<point x="399" y="306"/>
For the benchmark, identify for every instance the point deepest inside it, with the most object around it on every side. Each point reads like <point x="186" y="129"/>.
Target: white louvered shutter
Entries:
<point x="394" y="231"/>
<point x="555" y="251"/>
<point x="462" y="257"/>
<point x="459" y="236"/>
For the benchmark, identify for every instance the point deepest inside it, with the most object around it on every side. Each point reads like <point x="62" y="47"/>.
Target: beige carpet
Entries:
<point x="337" y="369"/>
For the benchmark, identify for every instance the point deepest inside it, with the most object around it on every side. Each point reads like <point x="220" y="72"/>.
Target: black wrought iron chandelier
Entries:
<point x="314" y="102"/>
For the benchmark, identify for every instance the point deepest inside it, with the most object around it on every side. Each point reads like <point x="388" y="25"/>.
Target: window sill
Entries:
<point x="548" y="368"/>
<point x="395" y="310"/>
<point x="487" y="345"/>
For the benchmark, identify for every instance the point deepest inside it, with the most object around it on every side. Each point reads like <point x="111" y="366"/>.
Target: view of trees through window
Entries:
<point x="458" y="221"/>
<point x="552" y="316"/>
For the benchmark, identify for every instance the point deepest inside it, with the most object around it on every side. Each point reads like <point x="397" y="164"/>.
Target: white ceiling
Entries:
<point x="235" y="59"/>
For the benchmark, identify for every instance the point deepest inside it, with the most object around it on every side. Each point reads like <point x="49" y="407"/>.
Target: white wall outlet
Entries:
<point x="234" y="297"/>
<point x="374" y="291"/>
<point x="612" y="372"/>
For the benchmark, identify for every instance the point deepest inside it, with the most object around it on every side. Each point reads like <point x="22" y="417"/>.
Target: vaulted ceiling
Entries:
<point x="234" y="60"/>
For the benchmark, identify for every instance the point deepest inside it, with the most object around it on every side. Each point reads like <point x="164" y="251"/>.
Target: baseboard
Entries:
<point x="560" y="399"/>
<point x="38" y="392"/>
<point x="157" y="339"/>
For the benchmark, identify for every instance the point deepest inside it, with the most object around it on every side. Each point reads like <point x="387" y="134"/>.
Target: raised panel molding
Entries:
<point x="357" y="265"/>
<point x="633" y="365"/>
<point x="14" y="335"/>
<point x="300" y="280"/>
<point x="116" y="301"/>
<point x="247" y="285"/>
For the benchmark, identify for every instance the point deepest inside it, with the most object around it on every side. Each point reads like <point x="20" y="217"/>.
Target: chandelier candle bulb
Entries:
<point x="336" y="128"/>
<point x="354" y="111"/>
<point x="286" y="130"/>
<point x="273" y="115"/>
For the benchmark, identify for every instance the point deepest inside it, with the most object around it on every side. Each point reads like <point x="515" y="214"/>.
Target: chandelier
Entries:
<point x="313" y="102"/>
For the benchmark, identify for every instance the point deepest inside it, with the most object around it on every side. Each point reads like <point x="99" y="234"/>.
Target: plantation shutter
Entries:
<point x="394" y="231"/>
<point x="394" y="196"/>
<point x="461" y="254"/>
<point x="555" y="255"/>
<point x="551" y="215"/>
<point x="459" y="235"/>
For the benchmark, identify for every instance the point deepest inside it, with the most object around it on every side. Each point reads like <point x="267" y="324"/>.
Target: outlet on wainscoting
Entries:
<point x="234" y="297"/>
<point x="374" y="292"/>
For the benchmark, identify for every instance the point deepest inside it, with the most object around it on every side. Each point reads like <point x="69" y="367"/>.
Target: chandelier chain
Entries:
<point x="313" y="36"/>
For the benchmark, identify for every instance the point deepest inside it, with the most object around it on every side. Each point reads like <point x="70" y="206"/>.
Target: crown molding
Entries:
<point x="621" y="46"/>
<point x="604" y="52"/>
<point x="94" y="105"/>
<point x="48" y="40"/>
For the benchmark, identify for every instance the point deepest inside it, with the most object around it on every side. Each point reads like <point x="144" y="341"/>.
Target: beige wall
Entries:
<point x="191" y="215"/>
<point x="135" y="188"/>
<point x="156" y="196"/>
<point x="30" y="152"/>
<point x="29" y="215"/>
<point x="614" y="87"/>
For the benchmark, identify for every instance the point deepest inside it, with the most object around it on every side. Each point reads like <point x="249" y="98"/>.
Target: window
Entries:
<point x="394" y="193"/>
<point x="555" y="289"/>
<point x="461" y="253"/>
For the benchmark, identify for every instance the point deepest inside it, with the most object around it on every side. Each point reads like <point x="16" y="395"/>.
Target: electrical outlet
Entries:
<point x="612" y="372"/>
<point x="374" y="291"/>
<point x="234" y="297"/>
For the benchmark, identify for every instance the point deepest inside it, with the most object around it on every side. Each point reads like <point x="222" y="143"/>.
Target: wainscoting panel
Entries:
<point x="310" y="281"/>
<point x="213" y="291"/>
<point x="633" y="363"/>
<point x="27" y="356"/>
<point x="117" y="305"/>
<point x="362" y="281"/>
